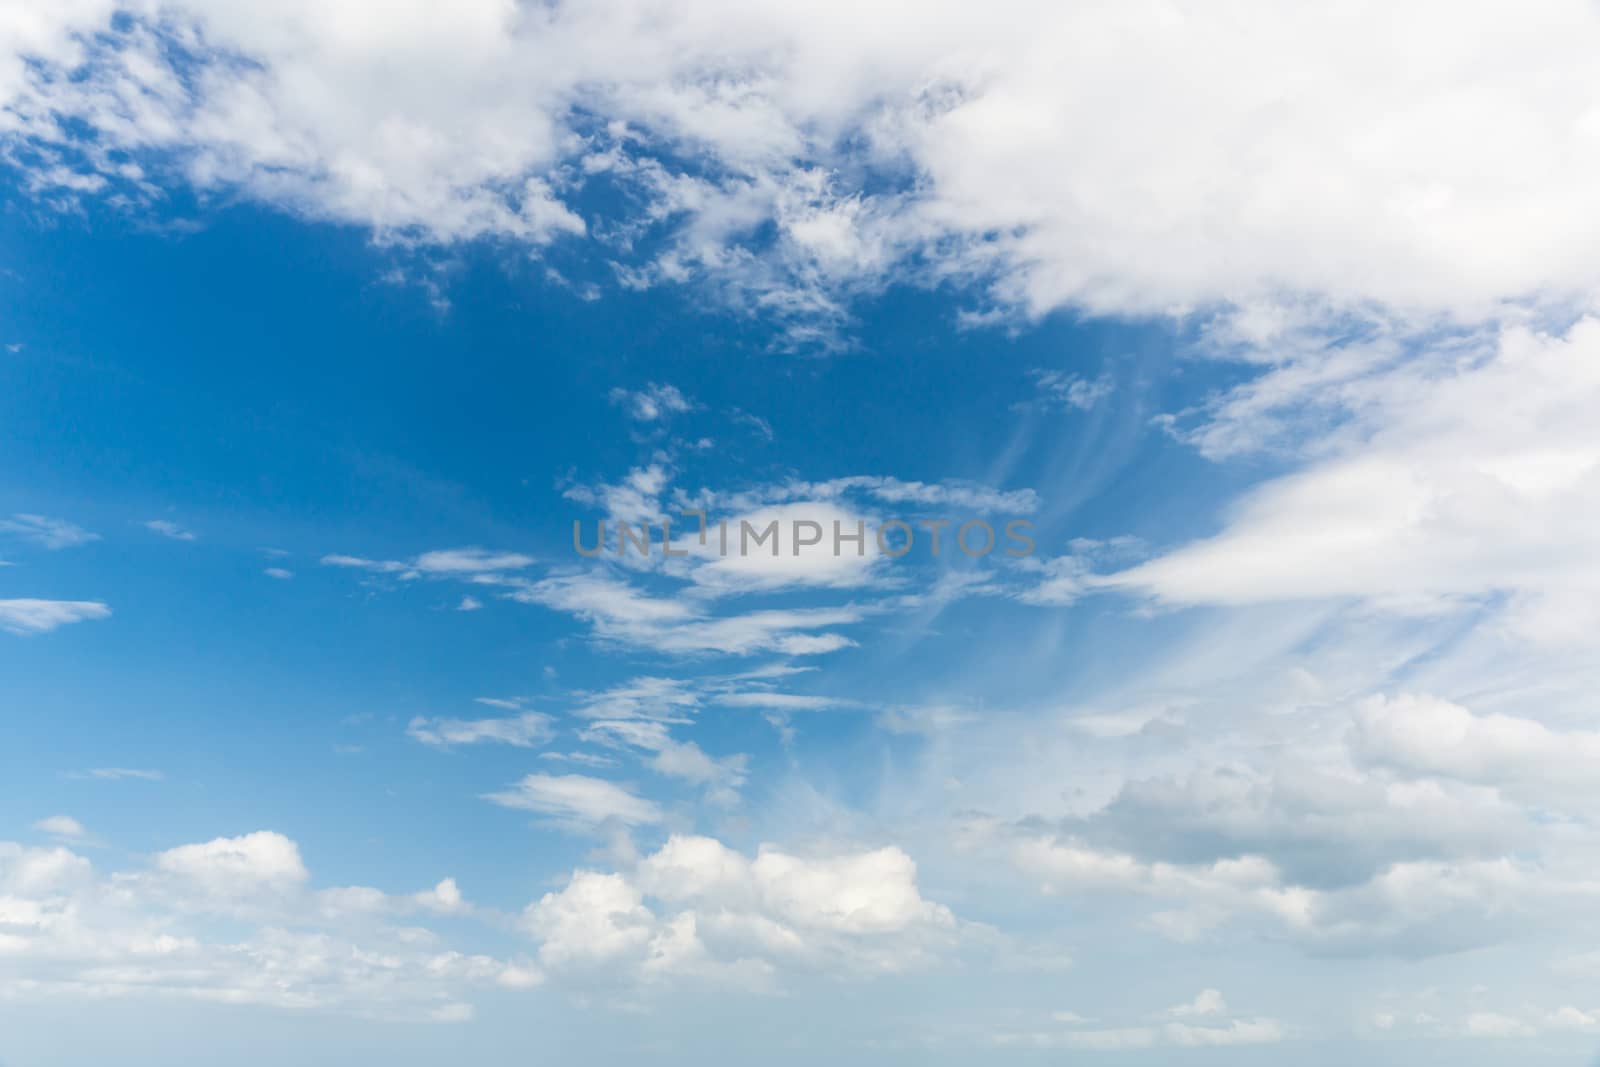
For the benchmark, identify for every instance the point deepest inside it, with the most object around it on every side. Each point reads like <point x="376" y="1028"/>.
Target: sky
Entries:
<point x="1263" y="338"/>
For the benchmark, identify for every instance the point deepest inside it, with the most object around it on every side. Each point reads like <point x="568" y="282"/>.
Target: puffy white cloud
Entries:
<point x="596" y="919"/>
<point x="70" y="931"/>
<point x="697" y="907"/>
<point x="27" y="616"/>
<point x="1424" y="735"/>
<point x="261" y="861"/>
<point x="1448" y="169"/>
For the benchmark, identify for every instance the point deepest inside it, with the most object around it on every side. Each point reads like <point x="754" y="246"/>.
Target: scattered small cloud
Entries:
<point x="469" y="603"/>
<point x="169" y="529"/>
<point x="578" y="800"/>
<point x="467" y="563"/>
<point x="28" y="616"/>
<point x="755" y="423"/>
<point x="585" y="759"/>
<point x="62" y="826"/>
<point x="45" y="531"/>
<point x="527" y="730"/>
<point x="279" y="573"/>
<point x="1059" y="389"/>
<point x="1208" y="1002"/>
<point x="652" y="403"/>
<point x="117" y="774"/>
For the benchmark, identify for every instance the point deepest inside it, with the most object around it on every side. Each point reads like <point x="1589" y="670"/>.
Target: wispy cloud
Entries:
<point x="578" y="800"/>
<point x="64" y="827"/>
<point x="653" y="403"/>
<point x="440" y="563"/>
<point x="45" y="531"/>
<point x="41" y="616"/>
<point x="170" y="529"/>
<point x="1062" y="389"/>
<point x="523" y="731"/>
<point x="116" y="774"/>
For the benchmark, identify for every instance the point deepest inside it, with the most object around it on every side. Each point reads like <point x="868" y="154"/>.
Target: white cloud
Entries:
<point x="1470" y="474"/>
<point x="41" y="616"/>
<point x="62" y="826"/>
<point x="262" y="861"/>
<point x="45" y="531"/>
<point x="773" y="701"/>
<point x="619" y="611"/>
<point x="467" y="563"/>
<point x="169" y="529"/>
<point x="231" y="921"/>
<point x="1207" y="1002"/>
<point x="1448" y="171"/>
<point x="470" y="561"/>
<point x="578" y="800"/>
<point x="279" y="573"/>
<point x="768" y="549"/>
<point x="1065" y="390"/>
<point x="527" y="730"/>
<point x="718" y="913"/>
<point x="721" y="777"/>
<point x="119" y="773"/>
<point x="1424" y="735"/>
<point x="1217" y="1032"/>
<point x="652" y="403"/>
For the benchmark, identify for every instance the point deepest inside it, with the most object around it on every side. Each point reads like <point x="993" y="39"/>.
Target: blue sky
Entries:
<point x="321" y="329"/>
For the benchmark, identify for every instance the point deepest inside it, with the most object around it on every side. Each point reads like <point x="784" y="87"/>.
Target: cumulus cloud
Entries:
<point x="1422" y="735"/>
<point x="68" y="930"/>
<point x="697" y="907"/>
<point x="237" y="865"/>
<point x="1448" y="171"/>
